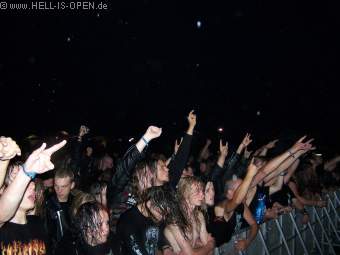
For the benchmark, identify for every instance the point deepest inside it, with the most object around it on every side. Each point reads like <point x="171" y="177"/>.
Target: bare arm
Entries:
<point x="8" y="150"/>
<point x="303" y="200"/>
<point x="277" y="161"/>
<point x="277" y="185"/>
<point x="245" y="142"/>
<point x="3" y="170"/>
<point x="204" y="151"/>
<point x="185" y="246"/>
<point x="242" y="190"/>
<point x="291" y="171"/>
<point x="247" y="215"/>
<point x="39" y="162"/>
<point x="223" y="154"/>
<point x="285" y="165"/>
<point x="331" y="164"/>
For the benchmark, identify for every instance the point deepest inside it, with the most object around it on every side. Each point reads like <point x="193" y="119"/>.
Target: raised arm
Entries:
<point x="205" y="150"/>
<point x="8" y="150"/>
<point x="331" y="164"/>
<point x="235" y="157"/>
<point x="37" y="163"/>
<point x="277" y="161"/>
<point x="218" y="171"/>
<point x="242" y="190"/>
<point x="245" y="142"/>
<point x="177" y="165"/>
<point x="127" y="164"/>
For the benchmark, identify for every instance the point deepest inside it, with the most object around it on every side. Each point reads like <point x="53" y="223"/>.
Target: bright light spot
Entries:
<point x="198" y="24"/>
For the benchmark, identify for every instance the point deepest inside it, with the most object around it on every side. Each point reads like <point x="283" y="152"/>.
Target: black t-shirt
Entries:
<point x="23" y="238"/>
<point x="138" y="234"/>
<point x="223" y="230"/>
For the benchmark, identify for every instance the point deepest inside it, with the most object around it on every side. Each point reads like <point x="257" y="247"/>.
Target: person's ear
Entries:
<point x="72" y="185"/>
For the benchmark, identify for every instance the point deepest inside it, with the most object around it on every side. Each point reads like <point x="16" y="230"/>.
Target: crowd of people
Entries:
<point x="88" y="201"/>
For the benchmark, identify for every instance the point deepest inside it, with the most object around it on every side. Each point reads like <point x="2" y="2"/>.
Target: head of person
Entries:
<point x="160" y="204"/>
<point x="230" y="187"/>
<point x="191" y="191"/>
<point x="188" y="171"/>
<point x="28" y="201"/>
<point x="80" y="199"/>
<point x="92" y="222"/>
<point x="13" y="170"/>
<point x="148" y="173"/>
<point x="260" y="161"/>
<point x="63" y="184"/>
<point x="39" y="197"/>
<point x="203" y="167"/>
<point x="106" y="162"/>
<point x="209" y="194"/>
<point x="97" y="189"/>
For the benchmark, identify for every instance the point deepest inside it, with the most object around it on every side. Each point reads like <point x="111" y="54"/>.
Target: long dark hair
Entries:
<point x="88" y="221"/>
<point x="163" y="199"/>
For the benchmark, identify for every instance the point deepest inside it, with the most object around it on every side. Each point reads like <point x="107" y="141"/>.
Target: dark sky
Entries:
<point x="262" y="66"/>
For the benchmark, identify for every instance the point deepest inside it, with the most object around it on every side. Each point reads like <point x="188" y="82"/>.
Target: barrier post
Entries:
<point x="324" y="231"/>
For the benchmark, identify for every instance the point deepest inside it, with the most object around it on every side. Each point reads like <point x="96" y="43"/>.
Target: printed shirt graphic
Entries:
<point x="28" y="239"/>
<point x="139" y="235"/>
<point x="260" y="208"/>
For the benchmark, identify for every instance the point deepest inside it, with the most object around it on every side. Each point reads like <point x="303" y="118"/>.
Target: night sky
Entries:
<point x="268" y="67"/>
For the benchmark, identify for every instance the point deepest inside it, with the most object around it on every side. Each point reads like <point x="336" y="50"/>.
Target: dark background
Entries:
<point x="268" y="67"/>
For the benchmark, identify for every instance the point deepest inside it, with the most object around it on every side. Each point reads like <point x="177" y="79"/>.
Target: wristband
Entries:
<point x="145" y="141"/>
<point x="31" y="175"/>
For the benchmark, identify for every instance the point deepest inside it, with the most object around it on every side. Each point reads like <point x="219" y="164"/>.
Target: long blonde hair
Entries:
<point x="184" y="190"/>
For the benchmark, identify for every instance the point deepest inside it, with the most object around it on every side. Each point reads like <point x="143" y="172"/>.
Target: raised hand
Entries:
<point x="192" y="119"/>
<point x="241" y="245"/>
<point x="83" y="130"/>
<point x="253" y="167"/>
<point x="8" y="148"/>
<point x="152" y="132"/>
<point x="301" y="145"/>
<point x="271" y="144"/>
<point x="177" y="144"/>
<point x="40" y="160"/>
<point x="223" y="148"/>
<point x="247" y="153"/>
<point x="246" y="140"/>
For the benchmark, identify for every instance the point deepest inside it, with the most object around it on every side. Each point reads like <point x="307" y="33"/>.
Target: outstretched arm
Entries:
<point x="331" y="164"/>
<point x="242" y="190"/>
<point x="8" y="150"/>
<point x="205" y="151"/>
<point x="127" y="164"/>
<point x="245" y="142"/>
<point x="177" y="165"/>
<point x="277" y="161"/>
<point x="38" y="162"/>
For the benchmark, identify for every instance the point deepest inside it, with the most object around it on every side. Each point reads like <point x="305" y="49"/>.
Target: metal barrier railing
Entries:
<point x="287" y="235"/>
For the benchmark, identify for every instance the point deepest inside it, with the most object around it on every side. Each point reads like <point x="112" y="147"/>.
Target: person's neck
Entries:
<point x="142" y="209"/>
<point x="158" y="183"/>
<point x="19" y="217"/>
<point x="62" y="200"/>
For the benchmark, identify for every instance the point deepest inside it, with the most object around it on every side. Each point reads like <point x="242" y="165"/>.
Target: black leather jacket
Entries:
<point x="220" y="175"/>
<point x="122" y="175"/>
<point x="57" y="221"/>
